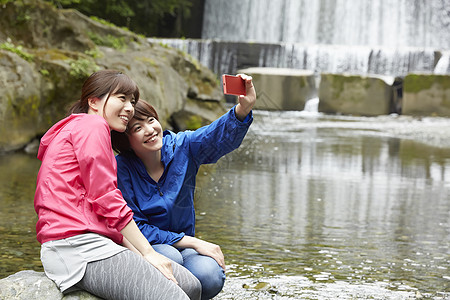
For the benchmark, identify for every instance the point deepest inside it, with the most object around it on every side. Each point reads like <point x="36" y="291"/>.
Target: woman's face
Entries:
<point x="118" y="111"/>
<point x="145" y="135"/>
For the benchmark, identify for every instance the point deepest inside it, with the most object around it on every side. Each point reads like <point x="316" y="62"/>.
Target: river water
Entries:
<point x="310" y="207"/>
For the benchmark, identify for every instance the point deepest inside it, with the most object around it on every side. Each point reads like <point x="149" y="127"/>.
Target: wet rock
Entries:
<point x="32" y="147"/>
<point x="28" y="284"/>
<point x="261" y="285"/>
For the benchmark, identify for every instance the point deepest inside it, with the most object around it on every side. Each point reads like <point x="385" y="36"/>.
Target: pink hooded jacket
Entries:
<point x="76" y="189"/>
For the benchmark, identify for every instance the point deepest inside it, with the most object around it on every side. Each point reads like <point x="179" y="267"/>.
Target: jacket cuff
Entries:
<point x="247" y="119"/>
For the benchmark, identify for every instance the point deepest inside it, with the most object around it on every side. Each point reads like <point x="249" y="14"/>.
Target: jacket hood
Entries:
<point x="50" y="135"/>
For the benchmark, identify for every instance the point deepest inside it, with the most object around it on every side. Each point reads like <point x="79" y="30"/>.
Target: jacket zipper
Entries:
<point x="159" y="190"/>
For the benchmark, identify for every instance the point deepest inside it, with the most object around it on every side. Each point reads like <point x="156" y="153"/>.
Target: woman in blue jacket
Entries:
<point x="156" y="174"/>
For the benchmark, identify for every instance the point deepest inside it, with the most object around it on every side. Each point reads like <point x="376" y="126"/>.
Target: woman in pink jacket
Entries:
<point x="84" y="222"/>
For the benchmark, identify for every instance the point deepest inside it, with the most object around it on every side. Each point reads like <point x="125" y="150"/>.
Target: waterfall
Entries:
<point x="383" y="37"/>
<point x="385" y="23"/>
<point x="228" y="57"/>
<point x="355" y="60"/>
<point x="443" y="65"/>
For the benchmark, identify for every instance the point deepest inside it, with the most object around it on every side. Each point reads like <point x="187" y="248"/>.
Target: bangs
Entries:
<point x="122" y="84"/>
<point x="143" y="110"/>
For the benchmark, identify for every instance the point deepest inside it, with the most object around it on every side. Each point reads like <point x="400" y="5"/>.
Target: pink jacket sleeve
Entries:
<point x="98" y="167"/>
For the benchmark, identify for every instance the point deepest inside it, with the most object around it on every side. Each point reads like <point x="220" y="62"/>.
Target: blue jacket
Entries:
<point x="164" y="210"/>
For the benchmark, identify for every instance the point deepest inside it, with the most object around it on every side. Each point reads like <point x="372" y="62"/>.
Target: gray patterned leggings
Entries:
<point x="126" y="275"/>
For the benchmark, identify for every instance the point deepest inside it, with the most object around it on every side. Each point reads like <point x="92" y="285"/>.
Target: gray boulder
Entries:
<point x="26" y="285"/>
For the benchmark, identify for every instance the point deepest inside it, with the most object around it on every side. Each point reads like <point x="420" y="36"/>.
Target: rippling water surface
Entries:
<point x="310" y="206"/>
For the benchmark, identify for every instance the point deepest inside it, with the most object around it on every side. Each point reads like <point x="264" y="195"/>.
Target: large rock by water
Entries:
<point x="426" y="95"/>
<point x="356" y="94"/>
<point x="26" y="285"/>
<point x="282" y="89"/>
<point x="47" y="53"/>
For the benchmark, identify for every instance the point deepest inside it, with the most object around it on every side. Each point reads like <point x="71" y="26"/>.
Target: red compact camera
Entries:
<point x="233" y="85"/>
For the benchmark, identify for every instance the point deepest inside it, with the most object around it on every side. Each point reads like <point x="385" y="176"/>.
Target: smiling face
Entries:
<point x="145" y="135"/>
<point x="117" y="110"/>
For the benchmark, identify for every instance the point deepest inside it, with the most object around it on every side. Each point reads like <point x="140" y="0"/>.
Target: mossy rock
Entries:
<point x="355" y="94"/>
<point x="195" y="114"/>
<point x="426" y="95"/>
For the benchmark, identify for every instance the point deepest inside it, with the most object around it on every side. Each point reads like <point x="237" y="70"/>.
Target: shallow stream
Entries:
<point x="310" y="207"/>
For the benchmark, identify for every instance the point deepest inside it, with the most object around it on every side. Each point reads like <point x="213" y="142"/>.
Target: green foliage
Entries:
<point x="164" y="45"/>
<point x="82" y="68"/>
<point x="94" y="53"/>
<point x="104" y="22"/>
<point x="44" y="72"/>
<point x="148" y="17"/>
<point x="3" y="2"/>
<point x="108" y="41"/>
<point x="141" y="36"/>
<point x="23" y="10"/>
<point x="16" y="49"/>
<point x="61" y="3"/>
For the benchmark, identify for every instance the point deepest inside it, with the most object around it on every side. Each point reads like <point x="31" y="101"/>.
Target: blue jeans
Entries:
<point x="205" y="268"/>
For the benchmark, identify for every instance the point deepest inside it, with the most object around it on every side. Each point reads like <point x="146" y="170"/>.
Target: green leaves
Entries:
<point x="148" y="17"/>
<point x="8" y="46"/>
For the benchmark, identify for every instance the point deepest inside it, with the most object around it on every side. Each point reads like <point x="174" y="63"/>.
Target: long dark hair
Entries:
<point x="101" y="83"/>
<point x="142" y="111"/>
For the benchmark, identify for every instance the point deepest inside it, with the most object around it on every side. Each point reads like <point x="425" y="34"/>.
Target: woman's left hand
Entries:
<point x="211" y="250"/>
<point x="202" y="247"/>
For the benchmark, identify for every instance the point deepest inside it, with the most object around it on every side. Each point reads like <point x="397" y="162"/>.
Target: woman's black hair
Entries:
<point x="142" y="111"/>
<point x="101" y="83"/>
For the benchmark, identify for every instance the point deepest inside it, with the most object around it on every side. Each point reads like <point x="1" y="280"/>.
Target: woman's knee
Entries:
<point x="207" y="270"/>
<point x="170" y="252"/>
<point x="212" y="280"/>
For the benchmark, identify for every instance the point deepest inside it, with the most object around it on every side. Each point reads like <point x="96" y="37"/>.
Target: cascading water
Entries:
<point x="386" y="37"/>
<point x="443" y="65"/>
<point x="388" y="23"/>
<point x="227" y="57"/>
